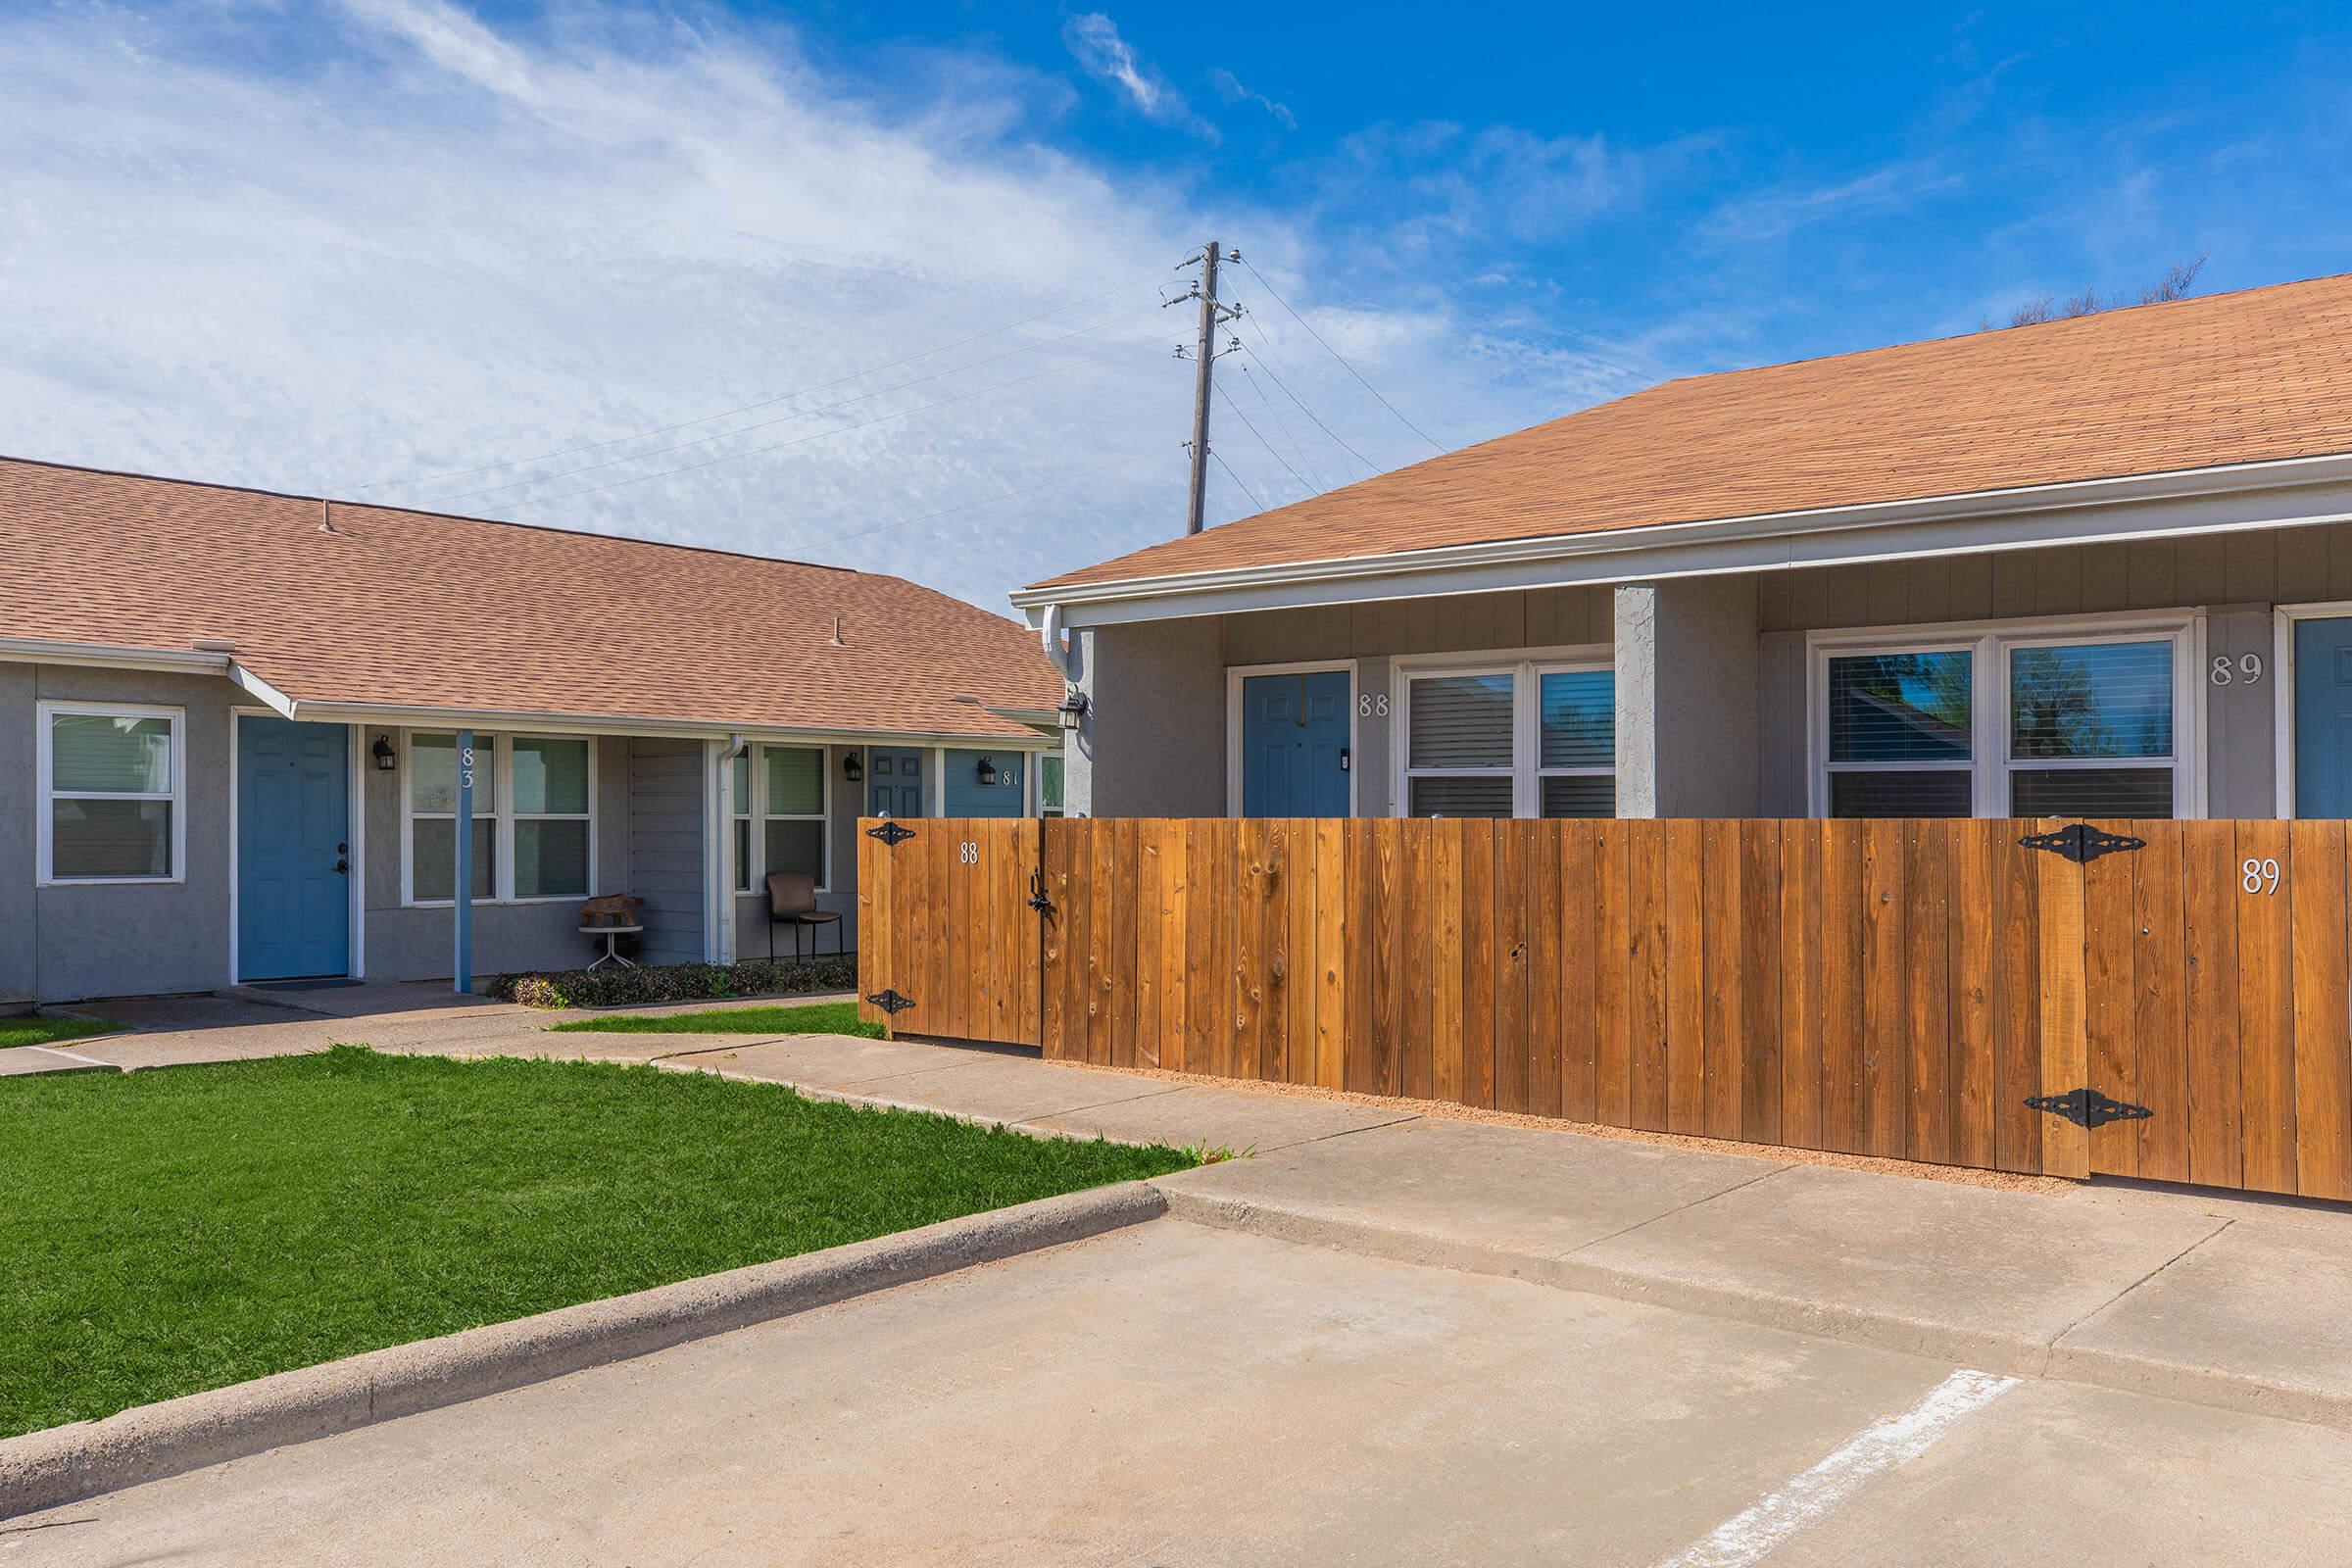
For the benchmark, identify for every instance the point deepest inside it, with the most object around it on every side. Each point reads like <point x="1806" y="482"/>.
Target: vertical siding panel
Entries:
<point x="1804" y="937"/>
<point x="1645" y="978"/>
<point x="2111" y="996"/>
<point x="1843" y="975"/>
<point x="1971" y="590"/>
<point x="1331" y="935"/>
<point x="1612" y="891"/>
<point x="1478" y="963"/>
<point x="1970" y="931"/>
<point x="1446" y="959"/>
<point x="2106" y="577"/>
<point x="2322" y="1082"/>
<point x="1581" y="951"/>
<point x="2216" y="1150"/>
<point x="1885" y="1053"/>
<point x="1545" y="953"/>
<point x="1927" y="944"/>
<point x="2160" y="1012"/>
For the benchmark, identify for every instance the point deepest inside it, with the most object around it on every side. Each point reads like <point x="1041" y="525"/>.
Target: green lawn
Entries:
<point x="38" y="1031"/>
<point x="807" y="1018"/>
<point x="176" y="1230"/>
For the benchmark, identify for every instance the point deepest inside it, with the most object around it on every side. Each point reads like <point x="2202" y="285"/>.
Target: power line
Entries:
<point x="778" y="446"/>
<point x="1370" y="465"/>
<point x="786" y="419"/>
<point x="1263" y="441"/>
<point x="908" y="522"/>
<point x="765" y="402"/>
<point x="1236" y="479"/>
<point x="1334" y="354"/>
<point x="1314" y="476"/>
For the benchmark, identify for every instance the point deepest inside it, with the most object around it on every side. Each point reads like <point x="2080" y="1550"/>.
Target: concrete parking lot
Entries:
<point x="1177" y="1393"/>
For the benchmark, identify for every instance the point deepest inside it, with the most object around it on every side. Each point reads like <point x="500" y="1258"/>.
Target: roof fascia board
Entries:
<point x="2319" y="491"/>
<point x="410" y="718"/>
<point x="107" y="656"/>
<point x="246" y="681"/>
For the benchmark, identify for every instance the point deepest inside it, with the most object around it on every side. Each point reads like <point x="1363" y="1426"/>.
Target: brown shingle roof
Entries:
<point x="415" y="608"/>
<point x="2244" y="378"/>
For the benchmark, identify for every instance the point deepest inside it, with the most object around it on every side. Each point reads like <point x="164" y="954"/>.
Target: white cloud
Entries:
<point x="1235" y="91"/>
<point x="1094" y="41"/>
<point x="312" y="250"/>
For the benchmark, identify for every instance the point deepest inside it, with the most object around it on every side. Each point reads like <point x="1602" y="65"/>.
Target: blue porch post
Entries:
<point x="463" y="969"/>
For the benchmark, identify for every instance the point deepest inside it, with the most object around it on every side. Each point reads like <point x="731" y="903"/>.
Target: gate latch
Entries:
<point x="2087" y="1107"/>
<point x="2082" y="843"/>
<point x="1037" y="893"/>
<point x="891" y="1001"/>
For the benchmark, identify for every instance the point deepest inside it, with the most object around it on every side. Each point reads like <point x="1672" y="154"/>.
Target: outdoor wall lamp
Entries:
<point x="851" y="767"/>
<point x="1073" y="708"/>
<point x="988" y="771"/>
<point x="381" y="750"/>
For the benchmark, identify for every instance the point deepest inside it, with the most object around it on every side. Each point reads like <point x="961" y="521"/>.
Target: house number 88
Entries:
<point x="968" y="852"/>
<point x="2258" y="876"/>
<point x="1368" y="705"/>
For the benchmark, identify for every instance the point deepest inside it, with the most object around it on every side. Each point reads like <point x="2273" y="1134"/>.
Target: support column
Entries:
<point x="1687" y="698"/>
<point x="1152" y="742"/>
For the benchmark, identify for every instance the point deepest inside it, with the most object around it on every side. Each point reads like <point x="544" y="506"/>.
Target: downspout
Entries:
<point x="721" y="903"/>
<point x="1048" y="630"/>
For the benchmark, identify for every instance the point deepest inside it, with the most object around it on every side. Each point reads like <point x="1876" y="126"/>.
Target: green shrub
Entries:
<point x="616" y="986"/>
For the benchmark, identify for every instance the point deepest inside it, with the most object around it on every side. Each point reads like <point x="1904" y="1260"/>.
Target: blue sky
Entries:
<point x="386" y="247"/>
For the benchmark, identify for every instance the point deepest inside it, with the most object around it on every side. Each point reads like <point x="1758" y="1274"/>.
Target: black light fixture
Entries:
<point x="988" y="771"/>
<point x="851" y="767"/>
<point x="381" y="750"/>
<point x="1073" y="708"/>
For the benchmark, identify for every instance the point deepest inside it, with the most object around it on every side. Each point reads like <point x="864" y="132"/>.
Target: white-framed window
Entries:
<point x="1531" y="737"/>
<point x="793" y="790"/>
<point x="113" y="781"/>
<point x="534" y="818"/>
<point x="739" y="817"/>
<point x="781" y="800"/>
<point x="2027" y="719"/>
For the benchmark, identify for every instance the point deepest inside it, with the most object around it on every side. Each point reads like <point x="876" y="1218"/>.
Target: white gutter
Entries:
<point x="2285" y="492"/>
<point x="108" y="656"/>
<point x="411" y="717"/>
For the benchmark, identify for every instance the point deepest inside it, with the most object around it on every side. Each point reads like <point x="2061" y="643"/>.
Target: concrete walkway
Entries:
<point x="2222" y="1299"/>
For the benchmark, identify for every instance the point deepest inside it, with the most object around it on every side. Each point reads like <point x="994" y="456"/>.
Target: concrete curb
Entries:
<point x="70" y="1464"/>
<point x="1989" y="1350"/>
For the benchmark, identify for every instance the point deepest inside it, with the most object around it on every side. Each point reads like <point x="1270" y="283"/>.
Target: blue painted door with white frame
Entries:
<point x="1294" y="743"/>
<point x="294" y="861"/>
<point x="2323" y="717"/>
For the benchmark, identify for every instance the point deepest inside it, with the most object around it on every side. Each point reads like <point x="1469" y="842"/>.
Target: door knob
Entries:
<point x="343" y="866"/>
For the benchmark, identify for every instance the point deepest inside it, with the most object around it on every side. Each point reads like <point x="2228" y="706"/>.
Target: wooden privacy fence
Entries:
<point x="2166" y="999"/>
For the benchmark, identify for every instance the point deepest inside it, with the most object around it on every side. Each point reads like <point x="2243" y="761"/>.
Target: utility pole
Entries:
<point x="1204" y="356"/>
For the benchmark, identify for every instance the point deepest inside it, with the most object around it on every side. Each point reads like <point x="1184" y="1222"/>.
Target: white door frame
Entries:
<point x="1236" y="675"/>
<point x="354" y="934"/>
<point x="2282" y="687"/>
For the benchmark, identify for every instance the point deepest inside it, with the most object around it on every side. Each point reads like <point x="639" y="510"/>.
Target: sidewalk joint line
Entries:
<point x="2058" y="1337"/>
<point x="1680" y="1208"/>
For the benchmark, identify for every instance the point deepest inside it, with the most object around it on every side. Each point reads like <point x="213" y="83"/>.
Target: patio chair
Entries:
<point x="792" y="900"/>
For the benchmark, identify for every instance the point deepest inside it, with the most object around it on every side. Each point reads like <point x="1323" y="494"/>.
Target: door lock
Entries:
<point x="343" y="866"/>
<point x="1344" y="759"/>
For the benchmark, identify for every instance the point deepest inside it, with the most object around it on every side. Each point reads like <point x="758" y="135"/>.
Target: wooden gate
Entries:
<point x="1894" y="988"/>
<point x="947" y="941"/>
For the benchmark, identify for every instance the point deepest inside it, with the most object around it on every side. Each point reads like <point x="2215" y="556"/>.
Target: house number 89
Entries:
<point x="2258" y="876"/>
<point x="2247" y="667"/>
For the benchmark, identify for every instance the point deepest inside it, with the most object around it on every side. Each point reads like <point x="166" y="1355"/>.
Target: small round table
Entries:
<point x="611" y="954"/>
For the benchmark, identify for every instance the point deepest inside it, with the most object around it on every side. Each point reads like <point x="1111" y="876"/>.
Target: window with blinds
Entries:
<point x="1531" y="740"/>
<point x="792" y="831"/>
<point x="2021" y="723"/>
<point x="110" y="804"/>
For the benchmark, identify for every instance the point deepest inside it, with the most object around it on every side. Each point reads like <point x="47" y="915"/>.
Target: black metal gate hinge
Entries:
<point x="891" y="1001"/>
<point x="2082" y="843"/>
<point x="2087" y="1107"/>
<point x="893" y="834"/>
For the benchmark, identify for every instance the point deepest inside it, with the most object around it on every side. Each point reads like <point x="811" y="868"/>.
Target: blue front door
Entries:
<point x="294" y="858"/>
<point x="1294" y="743"/>
<point x="893" y="782"/>
<point x="2323" y="717"/>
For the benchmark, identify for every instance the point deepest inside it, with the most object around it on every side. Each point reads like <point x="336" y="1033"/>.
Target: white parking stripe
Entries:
<point x="1746" y="1537"/>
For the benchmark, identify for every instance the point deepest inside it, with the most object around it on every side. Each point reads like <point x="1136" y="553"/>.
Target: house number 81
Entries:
<point x="2258" y="876"/>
